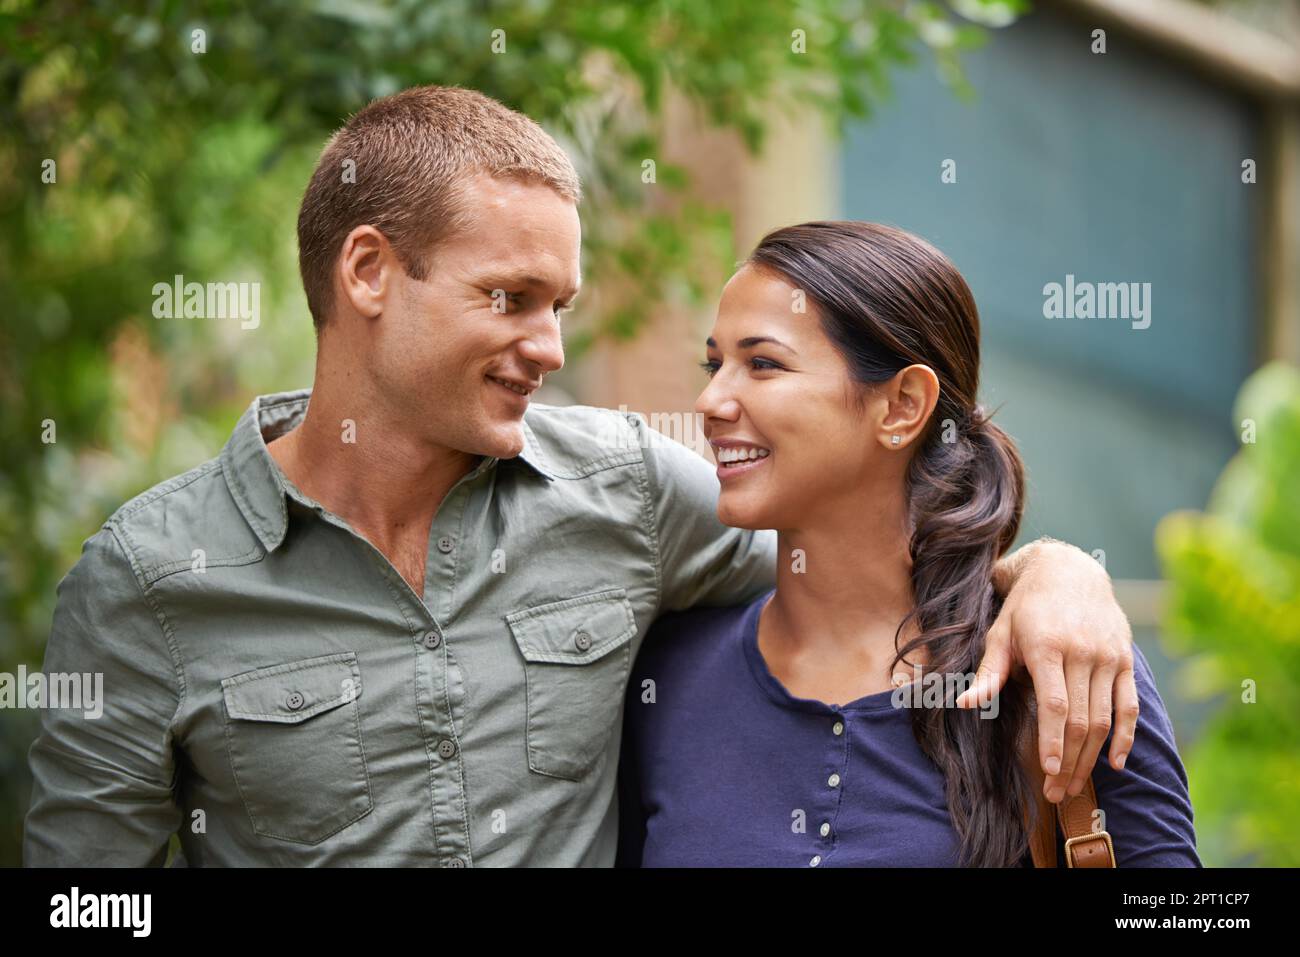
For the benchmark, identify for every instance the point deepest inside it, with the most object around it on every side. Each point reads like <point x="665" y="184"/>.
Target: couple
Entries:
<point x="395" y="626"/>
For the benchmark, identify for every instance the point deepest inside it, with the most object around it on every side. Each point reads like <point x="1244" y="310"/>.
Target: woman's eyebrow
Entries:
<point x="750" y="341"/>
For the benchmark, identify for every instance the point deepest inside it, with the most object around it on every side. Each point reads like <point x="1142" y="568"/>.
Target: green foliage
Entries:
<point x="1235" y="609"/>
<point x="174" y="161"/>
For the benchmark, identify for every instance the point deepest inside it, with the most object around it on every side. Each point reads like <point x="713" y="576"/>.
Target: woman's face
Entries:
<point x="780" y="410"/>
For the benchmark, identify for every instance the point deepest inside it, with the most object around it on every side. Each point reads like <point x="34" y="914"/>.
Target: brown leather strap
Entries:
<point x="1084" y="847"/>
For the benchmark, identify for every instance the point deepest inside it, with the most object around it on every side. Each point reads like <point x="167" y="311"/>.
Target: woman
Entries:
<point x="844" y="367"/>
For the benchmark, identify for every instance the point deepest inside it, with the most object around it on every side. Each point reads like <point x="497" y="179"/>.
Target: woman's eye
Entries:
<point x="711" y="366"/>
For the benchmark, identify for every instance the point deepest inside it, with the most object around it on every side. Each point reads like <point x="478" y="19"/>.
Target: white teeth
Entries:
<point x="732" y="454"/>
<point x="509" y="385"/>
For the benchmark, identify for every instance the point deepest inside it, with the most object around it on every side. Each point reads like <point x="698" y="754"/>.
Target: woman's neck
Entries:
<point x="843" y="587"/>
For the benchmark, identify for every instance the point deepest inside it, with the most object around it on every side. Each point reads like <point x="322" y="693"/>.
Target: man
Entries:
<point x="394" y="627"/>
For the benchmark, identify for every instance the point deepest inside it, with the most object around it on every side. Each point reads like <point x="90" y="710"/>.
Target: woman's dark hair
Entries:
<point x="888" y="300"/>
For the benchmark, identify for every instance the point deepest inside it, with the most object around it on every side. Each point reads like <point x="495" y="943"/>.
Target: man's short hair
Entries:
<point x="400" y="165"/>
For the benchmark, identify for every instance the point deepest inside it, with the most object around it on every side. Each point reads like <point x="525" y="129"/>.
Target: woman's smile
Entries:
<point x="736" y="458"/>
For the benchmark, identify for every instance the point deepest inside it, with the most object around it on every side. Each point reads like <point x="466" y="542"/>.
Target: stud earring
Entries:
<point x="894" y="439"/>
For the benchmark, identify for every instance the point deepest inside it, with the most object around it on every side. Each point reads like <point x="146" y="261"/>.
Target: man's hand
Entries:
<point x="1060" y="620"/>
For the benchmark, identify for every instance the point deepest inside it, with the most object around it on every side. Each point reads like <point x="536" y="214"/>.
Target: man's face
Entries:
<point x="454" y="351"/>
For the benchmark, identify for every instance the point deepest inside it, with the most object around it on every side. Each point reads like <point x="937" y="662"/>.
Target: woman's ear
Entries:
<point x="911" y="395"/>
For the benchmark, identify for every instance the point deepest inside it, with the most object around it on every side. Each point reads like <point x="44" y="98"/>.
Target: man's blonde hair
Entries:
<point x="400" y="165"/>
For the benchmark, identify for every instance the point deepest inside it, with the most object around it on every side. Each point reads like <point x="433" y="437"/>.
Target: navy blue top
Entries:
<point x="727" y="769"/>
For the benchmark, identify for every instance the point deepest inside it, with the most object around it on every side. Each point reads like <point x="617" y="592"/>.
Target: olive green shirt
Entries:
<point x="276" y="694"/>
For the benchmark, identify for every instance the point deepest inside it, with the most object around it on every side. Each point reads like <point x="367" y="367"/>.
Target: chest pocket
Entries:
<point x="577" y="654"/>
<point x="294" y="736"/>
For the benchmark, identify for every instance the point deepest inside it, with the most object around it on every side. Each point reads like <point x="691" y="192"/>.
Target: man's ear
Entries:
<point x="366" y="270"/>
<point x="911" y="396"/>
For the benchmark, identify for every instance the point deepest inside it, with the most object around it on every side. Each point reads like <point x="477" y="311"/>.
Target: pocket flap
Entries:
<point x="293" y="692"/>
<point x="575" y="631"/>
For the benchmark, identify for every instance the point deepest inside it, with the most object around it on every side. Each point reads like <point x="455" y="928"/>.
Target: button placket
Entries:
<point x="450" y="824"/>
<point x="839" y="745"/>
<point x="449" y="821"/>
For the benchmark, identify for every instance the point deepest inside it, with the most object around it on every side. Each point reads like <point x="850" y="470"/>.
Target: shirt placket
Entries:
<point x="832" y="786"/>
<point x="450" y="818"/>
<point x="433" y="698"/>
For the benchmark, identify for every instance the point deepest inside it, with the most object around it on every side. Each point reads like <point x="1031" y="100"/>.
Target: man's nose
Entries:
<point x="544" y="348"/>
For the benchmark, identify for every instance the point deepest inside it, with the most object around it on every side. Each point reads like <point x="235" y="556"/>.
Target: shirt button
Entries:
<point x="294" y="701"/>
<point x="432" y="640"/>
<point x="817" y="859"/>
<point x="825" y="829"/>
<point x="444" y="544"/>
<point x="446" y="748"/>
<point x="582" y="640"/>
<point x="455" y="862"/>
<point x="833" y="780"/>
<point x="837" y="728"/>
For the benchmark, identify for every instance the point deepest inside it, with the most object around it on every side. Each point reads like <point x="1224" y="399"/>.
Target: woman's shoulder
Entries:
<point x="691" y="637"/>
<point x="1147" y="805"/>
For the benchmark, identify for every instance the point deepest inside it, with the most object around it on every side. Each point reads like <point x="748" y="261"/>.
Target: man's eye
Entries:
<point x="503" y="301"/>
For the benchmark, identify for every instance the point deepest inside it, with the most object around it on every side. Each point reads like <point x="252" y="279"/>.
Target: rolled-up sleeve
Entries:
<point x="701" y="560"/>
<point x="102" y="786"/>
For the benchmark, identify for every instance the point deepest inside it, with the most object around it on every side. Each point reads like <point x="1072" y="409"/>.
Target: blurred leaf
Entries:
<point x="1234" y="607"/>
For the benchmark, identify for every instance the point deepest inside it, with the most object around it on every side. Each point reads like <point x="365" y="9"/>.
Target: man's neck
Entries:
<point x="386" y="485"/>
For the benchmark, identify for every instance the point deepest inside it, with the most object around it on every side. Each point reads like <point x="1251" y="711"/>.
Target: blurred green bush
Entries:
<point x="1234" y="610"/>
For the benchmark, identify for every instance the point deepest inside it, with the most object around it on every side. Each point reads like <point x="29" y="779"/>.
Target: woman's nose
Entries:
<point x="716" y="402"/>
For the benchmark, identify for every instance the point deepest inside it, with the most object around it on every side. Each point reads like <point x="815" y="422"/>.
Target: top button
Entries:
<point x="432" y="640"/>
<point x="444" y="544"/>
<point x="837" y="728"/>
<point x="582" y="640"/>
<point x="295" y="701"/>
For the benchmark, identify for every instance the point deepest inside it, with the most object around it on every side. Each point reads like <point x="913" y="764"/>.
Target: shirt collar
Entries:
<point x="256" y="482"/>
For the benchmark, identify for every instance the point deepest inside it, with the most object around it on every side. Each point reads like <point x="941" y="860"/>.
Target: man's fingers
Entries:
<point x="1099" y="722"/>
<point x="1048" y="673"/>
<point x="1078" y="680"/>
<point x="1078" y="675"/>
<point x="994" y="668"/>
<point x="1126" y="716"/>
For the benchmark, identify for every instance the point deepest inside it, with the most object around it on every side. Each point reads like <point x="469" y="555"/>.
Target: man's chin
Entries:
<point x="505" y="440"/>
